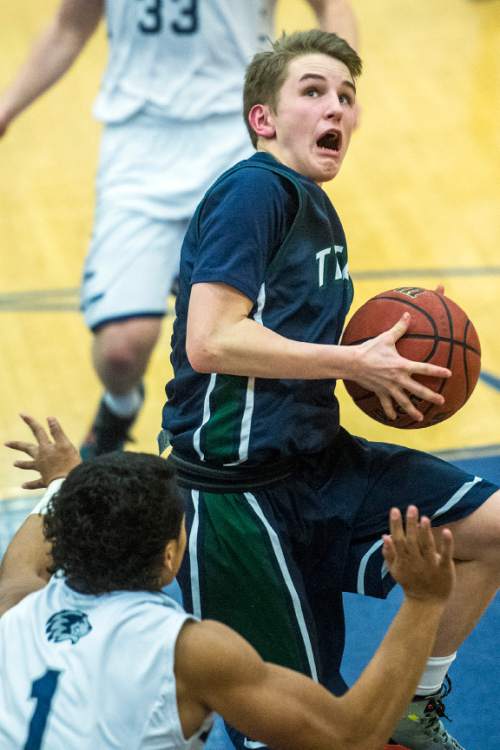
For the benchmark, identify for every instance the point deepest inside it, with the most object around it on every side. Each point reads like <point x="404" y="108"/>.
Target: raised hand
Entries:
<point x="424" y="569"/>
<point x="384" y="371"/>
<point x="51" y="459"/>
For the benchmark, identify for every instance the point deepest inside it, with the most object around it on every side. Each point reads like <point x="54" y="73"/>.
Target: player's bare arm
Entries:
<point x="51" y="56"/>
<point x="337" y="16"/>
<point x="25" y="564"/>
<point x="222" y="338"/>
<point x="217" y="670"/>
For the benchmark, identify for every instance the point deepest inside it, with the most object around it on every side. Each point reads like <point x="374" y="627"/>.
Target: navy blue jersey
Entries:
<point x="274" y="235"/>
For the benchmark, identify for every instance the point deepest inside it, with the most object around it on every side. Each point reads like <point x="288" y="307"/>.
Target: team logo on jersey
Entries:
<point x="67" y="625"/>
<point x="332" y="264"/>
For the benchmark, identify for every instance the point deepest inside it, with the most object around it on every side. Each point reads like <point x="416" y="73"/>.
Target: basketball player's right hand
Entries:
<point x="423" y="567"/>
<point x="390" y="376"/>
<point x="51" y="459"/>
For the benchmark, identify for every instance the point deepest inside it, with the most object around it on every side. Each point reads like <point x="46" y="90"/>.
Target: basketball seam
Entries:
<point x="423" y="337"/>
<point x="412" y="304"/>
<point x="452" y="332"/>
<point x="465" y="362"/>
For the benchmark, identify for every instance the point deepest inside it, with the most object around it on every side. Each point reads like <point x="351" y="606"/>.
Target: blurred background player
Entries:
<point x="170" y="100"/>
<point x="101" y="657"/>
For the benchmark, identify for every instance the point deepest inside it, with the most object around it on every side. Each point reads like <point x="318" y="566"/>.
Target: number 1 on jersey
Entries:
<point x="42" y="690"/>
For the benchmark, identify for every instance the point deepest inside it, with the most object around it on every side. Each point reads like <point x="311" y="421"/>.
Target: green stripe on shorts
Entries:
<point x="241" y="582"/>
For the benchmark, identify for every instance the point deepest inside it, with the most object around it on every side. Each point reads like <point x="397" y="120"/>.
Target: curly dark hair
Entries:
<point x="110" y="521"/>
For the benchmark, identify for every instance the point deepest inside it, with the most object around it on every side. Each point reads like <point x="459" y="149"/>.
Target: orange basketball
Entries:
<point x="439" y="332"/>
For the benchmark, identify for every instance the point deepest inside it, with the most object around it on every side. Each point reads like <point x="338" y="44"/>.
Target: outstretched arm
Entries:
<point x="218" y="670"/>
<point x="24" y="567"/>
<point x="337" y="16"/>
<point x="51" y="56"/>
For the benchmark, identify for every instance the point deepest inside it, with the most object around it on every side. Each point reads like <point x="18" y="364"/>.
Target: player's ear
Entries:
<point x="261" y="121"/>
<point x="170" y="558"/>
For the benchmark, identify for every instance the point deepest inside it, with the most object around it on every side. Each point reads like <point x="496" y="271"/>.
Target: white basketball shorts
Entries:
<point x="153" y="172"/>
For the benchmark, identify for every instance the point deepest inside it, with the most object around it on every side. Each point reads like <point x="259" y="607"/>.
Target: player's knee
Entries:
<point x="119" y="358"/>
<point x="478" y="536"/>
<point x="491" y="536"/>
<point x="490" y="526"/>
<point x="124" y="345"/>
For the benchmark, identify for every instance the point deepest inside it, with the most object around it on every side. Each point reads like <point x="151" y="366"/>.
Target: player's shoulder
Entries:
<point x="204" y="639"/>
<point x="262" y="168"/>
<point x="200" y="633"/>
<point x="206" y="649"/>
<point x="254" y="181"/>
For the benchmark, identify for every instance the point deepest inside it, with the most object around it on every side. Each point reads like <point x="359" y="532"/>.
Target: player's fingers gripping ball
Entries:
<point x="439" y="333"/>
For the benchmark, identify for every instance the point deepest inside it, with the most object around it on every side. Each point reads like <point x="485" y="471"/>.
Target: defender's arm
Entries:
<point x="24" y="567"/>
<point x="218" y="670"/>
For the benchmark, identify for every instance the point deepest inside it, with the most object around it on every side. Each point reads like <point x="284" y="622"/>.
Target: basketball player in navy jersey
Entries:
<point x="100" y="657"/>
<point x="170" y="102"/>
<point x="285" y="509"/>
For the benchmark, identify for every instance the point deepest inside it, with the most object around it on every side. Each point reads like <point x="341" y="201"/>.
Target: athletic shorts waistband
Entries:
<point x="210" y="478"/>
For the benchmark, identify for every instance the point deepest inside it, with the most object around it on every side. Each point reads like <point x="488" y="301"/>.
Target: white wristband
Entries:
<point x="41" y="507"/>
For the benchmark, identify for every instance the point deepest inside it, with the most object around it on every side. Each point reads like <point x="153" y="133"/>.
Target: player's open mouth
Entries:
<point x="331" y="141"/>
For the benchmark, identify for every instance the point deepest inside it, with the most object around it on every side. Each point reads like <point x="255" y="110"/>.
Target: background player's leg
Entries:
<point x="121" y="351"/>
<point x="126" y="282"/>
<point x="133" y="257"/>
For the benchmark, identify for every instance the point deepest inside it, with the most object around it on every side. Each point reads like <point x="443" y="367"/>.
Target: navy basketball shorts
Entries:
<point x="272" y="562"/>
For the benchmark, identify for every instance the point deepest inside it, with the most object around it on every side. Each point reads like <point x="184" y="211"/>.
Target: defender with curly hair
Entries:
<point x="101" y="657"/>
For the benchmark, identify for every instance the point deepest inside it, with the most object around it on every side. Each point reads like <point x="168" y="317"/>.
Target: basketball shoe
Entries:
<point x="421" y="728"/>
<point x="108" y="431"/>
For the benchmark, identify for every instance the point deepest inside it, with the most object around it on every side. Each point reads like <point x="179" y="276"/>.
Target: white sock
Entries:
<point x="434" y="674"/>
<point x="126" y="405"/>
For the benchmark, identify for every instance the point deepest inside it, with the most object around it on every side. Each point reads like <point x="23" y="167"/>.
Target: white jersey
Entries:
<point x="186" y="58"/>
<point x="82" y="672"/>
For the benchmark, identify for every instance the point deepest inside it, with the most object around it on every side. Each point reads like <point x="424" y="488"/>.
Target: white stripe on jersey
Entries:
<point x="246" y="422"/>
<point x="206" y="417"/>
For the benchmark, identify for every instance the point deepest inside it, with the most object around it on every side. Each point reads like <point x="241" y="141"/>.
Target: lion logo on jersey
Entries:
<point x="67" y="625"/>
